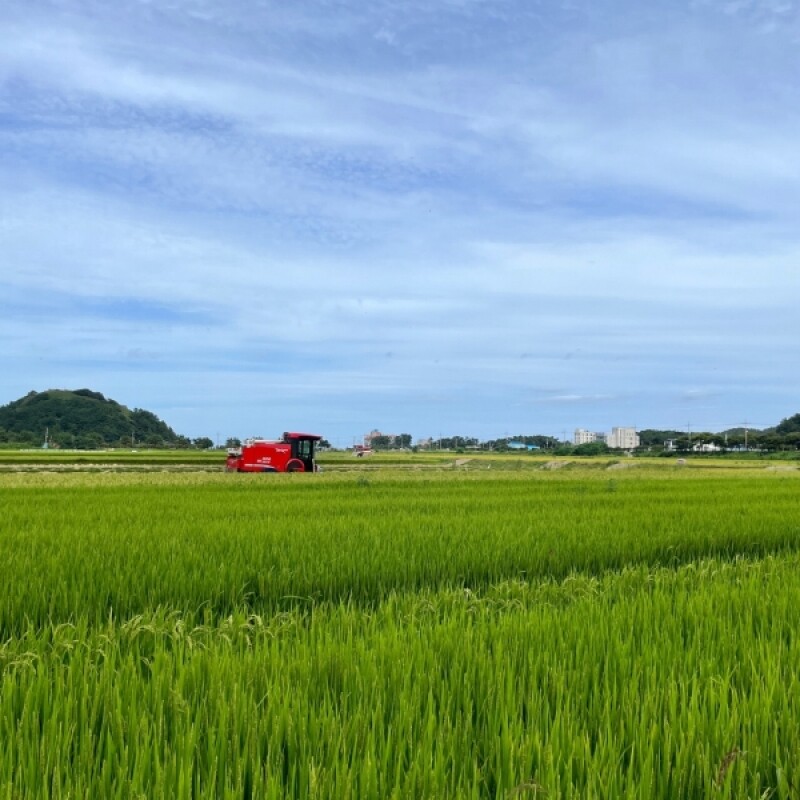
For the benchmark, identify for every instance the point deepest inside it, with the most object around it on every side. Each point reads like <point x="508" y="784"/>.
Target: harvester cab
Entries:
<point x="303" y="447"/>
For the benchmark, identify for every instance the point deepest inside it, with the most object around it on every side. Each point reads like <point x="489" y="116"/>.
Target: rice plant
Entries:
<point x="412" y="636"/>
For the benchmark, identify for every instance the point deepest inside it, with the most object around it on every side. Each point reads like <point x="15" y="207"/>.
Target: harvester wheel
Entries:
<point x="295" y="465"/>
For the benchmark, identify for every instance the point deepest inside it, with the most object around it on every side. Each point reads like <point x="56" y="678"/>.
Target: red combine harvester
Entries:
<point x="293" y="453"/>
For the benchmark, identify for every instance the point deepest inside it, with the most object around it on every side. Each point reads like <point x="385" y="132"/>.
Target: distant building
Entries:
<point x="375" y="435"/>
<point x="706" y="447"/>
<point x="618" y="439"/>
<point x="582" y="436"/>
<point x="623" y="439"/>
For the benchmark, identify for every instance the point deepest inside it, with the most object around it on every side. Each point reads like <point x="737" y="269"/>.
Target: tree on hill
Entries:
<point x="788" y="426"/>
<point x="80" y="418"/>
<point x="651" y="437"/>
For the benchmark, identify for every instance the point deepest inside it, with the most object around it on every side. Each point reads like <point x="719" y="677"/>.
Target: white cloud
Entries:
<point x="440" y="213"/>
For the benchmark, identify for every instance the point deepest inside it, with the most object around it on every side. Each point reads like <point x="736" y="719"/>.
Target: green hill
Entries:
<point x="82" y="419"/>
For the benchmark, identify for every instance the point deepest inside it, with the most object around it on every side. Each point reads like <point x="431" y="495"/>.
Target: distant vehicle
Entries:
<point x="293" y="453"/>
<point x="361" y="450"/>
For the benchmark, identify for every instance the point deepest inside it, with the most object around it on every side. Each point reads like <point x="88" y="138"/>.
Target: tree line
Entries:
<point x="783" y="437"/>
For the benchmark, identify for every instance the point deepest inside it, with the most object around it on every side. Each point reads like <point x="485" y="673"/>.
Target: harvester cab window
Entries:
<point x="304" y="449"/>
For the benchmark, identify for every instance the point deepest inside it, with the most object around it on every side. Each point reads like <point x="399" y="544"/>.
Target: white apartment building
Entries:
<point x="618" y="439"/>
<point x="582" y="436"/>
<point x="623" y="439"/>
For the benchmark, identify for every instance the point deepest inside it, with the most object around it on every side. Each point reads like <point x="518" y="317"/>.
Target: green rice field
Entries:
<point x="420" y="628"/>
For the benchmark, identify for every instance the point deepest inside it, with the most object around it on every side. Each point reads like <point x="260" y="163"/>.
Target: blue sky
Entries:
<point x="456" y="217"/>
